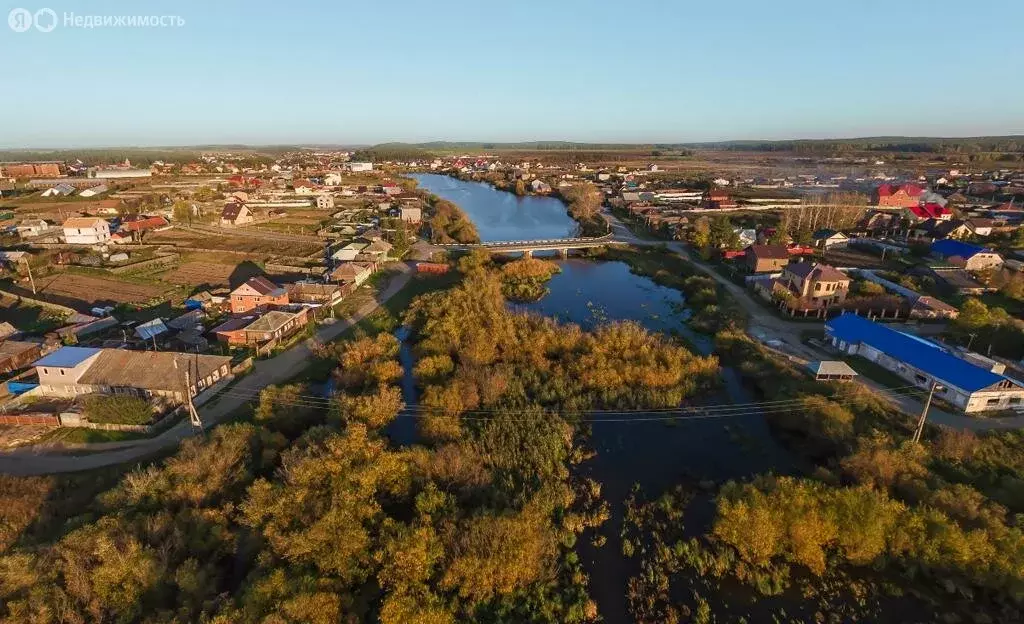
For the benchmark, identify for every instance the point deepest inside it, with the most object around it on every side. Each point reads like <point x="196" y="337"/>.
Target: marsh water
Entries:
<point x="656" y="455"/>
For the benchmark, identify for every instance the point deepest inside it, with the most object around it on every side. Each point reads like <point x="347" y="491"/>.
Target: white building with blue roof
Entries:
<point x="965" y="384"/>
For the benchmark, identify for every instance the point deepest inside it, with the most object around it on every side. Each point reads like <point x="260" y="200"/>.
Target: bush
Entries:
<point x="121" y="410"/>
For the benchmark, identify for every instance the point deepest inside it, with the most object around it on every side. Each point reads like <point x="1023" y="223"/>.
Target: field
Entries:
<point x="74" y="290"/>
<point x="242" y="244"/>
<point x="194" y="273"/>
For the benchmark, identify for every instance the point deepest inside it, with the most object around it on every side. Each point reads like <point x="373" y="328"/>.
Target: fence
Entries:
<point x="142" y="264"/>
<point x="30" y="419"/>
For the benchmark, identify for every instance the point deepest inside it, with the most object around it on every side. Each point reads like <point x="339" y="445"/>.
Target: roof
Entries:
<point x="826" y="234"/>
<point x="949" y="247"/>
<point x="231" y="210"/>
<point x="777" y="252"/>
<point x="929" y="211"/>
<point x="187" y="320"/>
<point x="923" y="355"/>
<point x="817" y="272"/>
<point x="271" y="321"/>
<point x="262" y="285"/>
<point x="13" y="348"/>
<point x="831" y="367"/>
<point x="144" y="223"/>
<point x="931" y="303"/>
<point x="149" y="370"/>
<point x="83" y="222"/>
<point x="67" y="357"/>
<point x="349" y="270"/>
<point x="233" y="324"/>
<point x="149" y="329"/>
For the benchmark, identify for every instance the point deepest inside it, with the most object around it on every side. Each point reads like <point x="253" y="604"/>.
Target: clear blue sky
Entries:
<point x="374" y="71"/>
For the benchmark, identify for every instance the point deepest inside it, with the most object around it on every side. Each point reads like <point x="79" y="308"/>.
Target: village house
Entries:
<point x="936" y="229"/>
<point x="268" y="328"/>
<point x="410" y="214"/>
<point x="830" y="239"/>
<point x="806" y="286"/>
<point x="766" y="258"/>
<point x="324" y="202"/>
<point x="257" y="292"/>
<point x="905" y="196"/>
<point x="74" y="371"/>
<point x="15" y="354"/>
<point x="966" y="256"/>
<point x="980" y="227"/>
<point x="30" y="228"/>
<point x="303" y="187"/>
<point x="315" y="293"/>
<point x="86" y="231"/>
<point x="717" y="198"/>
<point x="376" y="250"/>
<point x="539" y="186"/>
<point x="965" y="384"/>
<point x="922" y="212"/>
<point x="349" y="251"/>
<point x="235" y="213"/>
<point x="142" y="224"/>
<point x="354" y="273"/>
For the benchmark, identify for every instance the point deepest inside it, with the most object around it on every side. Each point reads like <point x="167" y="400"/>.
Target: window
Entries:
<point x="62" y="372"/>
<point x="46" y="371"/>
<point x="1014" y="400"/>
<point x="992" y="402"/>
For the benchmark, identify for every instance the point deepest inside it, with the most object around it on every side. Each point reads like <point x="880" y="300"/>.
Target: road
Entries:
<point x="275" y="370"/>
<point x="764" y="325"/>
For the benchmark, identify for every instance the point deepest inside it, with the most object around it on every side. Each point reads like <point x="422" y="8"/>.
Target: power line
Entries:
<point x="319" y="401"/>
<point x="683" y="413"/>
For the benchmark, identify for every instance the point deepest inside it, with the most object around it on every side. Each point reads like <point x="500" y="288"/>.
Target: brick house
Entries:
<point x="904" y="196"/>
<point x="766" y="258"/>
<point x="257" y="292"/>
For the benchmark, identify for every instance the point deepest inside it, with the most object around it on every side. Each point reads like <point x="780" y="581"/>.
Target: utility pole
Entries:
<point x="924" y="414"/>
<point x="193" y="415"/>
<point x="31" y="280"/>
<point x="969" y="342"/>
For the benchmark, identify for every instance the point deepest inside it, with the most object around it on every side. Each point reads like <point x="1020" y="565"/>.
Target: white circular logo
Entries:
<point x="20" y="20"/>
<point x="46" y="20"/>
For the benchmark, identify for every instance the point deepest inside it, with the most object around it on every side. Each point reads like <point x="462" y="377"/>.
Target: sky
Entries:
<point x="347" y="72"/>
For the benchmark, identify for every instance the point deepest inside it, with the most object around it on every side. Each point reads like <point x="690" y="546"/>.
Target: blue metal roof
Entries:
<point x="923" y="355"/>
<point x="949" y="247"/>
<point x="67" y="357"/>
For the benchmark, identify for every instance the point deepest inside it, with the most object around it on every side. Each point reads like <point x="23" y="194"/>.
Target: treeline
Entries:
<point x="448" y="223"/>
<point x="583" y="202"/>
<point x="966" y="145"/>
<point x="882" y="528"/>
<point x="391" y="152"/>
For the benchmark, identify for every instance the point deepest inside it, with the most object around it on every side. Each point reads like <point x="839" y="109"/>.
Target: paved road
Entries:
<point x="34" y="461"/>
<point x="765" y="325"/>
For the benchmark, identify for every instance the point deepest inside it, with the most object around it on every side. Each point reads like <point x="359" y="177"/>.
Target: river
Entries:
<point x="655" y="455"/>
<point x="500" y="215"/>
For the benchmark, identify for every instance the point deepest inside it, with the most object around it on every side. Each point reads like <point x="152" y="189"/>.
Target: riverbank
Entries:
<point x="581" y="206"/>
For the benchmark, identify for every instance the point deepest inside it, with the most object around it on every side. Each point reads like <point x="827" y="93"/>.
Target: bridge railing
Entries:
<point x="530" y="243"/>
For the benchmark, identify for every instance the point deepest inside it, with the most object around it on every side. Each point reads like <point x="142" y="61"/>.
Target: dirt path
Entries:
<point x="34" y="461"/>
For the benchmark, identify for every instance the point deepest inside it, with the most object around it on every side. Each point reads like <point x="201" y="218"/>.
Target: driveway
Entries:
<point x="275" y="370"/>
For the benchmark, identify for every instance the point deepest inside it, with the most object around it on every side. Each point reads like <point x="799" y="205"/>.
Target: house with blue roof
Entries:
<point x="965" y="255"/>
<point x="969" y="385"/>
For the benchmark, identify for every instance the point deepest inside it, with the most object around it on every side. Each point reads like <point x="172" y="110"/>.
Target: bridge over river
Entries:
<point x="527" y="247"/>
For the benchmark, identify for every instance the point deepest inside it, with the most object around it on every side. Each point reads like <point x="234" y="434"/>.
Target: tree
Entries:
<point x="520" y="187"/>
<point x="182" y="211"/>
<point x="700" y="235"/>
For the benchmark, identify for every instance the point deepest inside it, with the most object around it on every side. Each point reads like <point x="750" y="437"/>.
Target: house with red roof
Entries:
<point x="904" y="196"/>
<point x="927" y="211"/>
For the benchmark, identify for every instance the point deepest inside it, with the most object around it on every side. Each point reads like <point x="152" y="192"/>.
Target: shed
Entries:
<point x="831" y="370"/>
